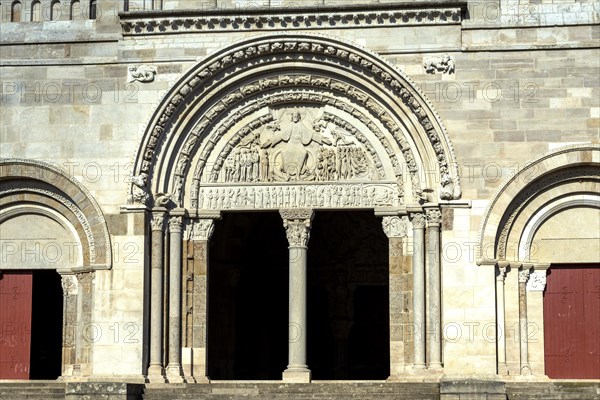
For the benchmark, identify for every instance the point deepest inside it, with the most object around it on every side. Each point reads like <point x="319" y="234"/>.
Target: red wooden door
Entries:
<point x="572" y="322"/>
<point x="15" y="325"/>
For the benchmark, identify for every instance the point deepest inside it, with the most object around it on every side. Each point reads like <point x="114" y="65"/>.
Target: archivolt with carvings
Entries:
<point x="303" y="51"/>
<point x="47" y="180"/>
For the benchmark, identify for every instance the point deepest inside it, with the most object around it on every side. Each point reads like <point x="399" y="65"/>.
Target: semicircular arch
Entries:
<point x="356" y="92"/>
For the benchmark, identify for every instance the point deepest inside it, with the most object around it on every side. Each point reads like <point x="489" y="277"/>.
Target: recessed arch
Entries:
<point x="567" y="171"/>
<point x="222" y="95"/>
<point x="40" y="186"/>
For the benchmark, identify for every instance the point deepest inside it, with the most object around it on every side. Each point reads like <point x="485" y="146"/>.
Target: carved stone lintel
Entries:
<point x="537" y="281"/>
<point x="175" y="224"/>
<point x="434" y="217"/>
<point x="395" y="226"/>
<point x="297" y="226"/>
<point x="418" y="220"/>
<point x="202" y="229"/>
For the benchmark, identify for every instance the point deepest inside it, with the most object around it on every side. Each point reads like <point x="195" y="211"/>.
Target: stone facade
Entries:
<point x="472" y="129"/>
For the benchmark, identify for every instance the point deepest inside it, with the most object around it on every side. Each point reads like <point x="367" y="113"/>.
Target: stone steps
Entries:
<point x="553" y="390"/>
<point x="312" y="391"/>
<point x="32" y="391"/>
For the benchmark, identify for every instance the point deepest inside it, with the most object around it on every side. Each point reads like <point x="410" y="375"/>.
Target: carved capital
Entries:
<point x="297" y="226"/>
<point x="418" y="220"/>
<point x="69" y="285"/>
<point x="395" y="226"/>
<point x="202" y="229"/>
<point x="175" y="224"/>
<point x="537" y="281"/>
<point x="524" y="275"/>
<point x="503" y="267"/>
<point x="86" y="278"/>
<point x="434" y="217"/>
<point x="157" y="222"/>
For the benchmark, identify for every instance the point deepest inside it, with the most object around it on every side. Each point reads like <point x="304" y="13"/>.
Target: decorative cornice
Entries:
<point x="186" y="21"/>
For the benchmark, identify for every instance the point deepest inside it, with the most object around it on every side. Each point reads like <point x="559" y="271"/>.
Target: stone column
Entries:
<point x="500" y="313"/>
<point x="525" y="369"/>
<point x="202" y="231"/>
<point x="535" y="318"/>
<point x="297" y="228"/>
<point x="70" y="324"/>
<point x="396" y="229"/>
<point x="83" y="360"/>
<point x="155" y="370"/>
<point x="434" y="313"/>
<point x="174" y="370"/>
<point x="418" y="222"/>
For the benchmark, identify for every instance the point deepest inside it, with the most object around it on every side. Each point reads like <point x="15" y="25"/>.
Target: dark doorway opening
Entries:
<point x="31" y="313"/>
<point x="46" y="325"/>
<point x="348" y="297"/>
<point x="247" y="300"/>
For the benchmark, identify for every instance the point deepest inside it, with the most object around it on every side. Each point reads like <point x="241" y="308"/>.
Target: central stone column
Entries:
<point x="174" y="370"/>
<point x="434" y="314"/>
<point x="297" y="228"/>
<point x="156" y="372"/>
<point x="418" y="223"/>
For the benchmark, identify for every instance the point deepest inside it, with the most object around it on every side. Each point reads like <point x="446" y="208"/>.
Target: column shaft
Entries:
<point x="523" y="277"/>
<point x="155" y="370"/>
<point x="418" y="221"/>
<point x="501" y="325"/>
<point x="174" y="370"/>
<point x="434" y="314"/>
<point x="297" y="226"/>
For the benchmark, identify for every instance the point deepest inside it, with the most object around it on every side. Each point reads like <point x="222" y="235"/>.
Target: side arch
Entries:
<point x="570" y="173"/>
<point x="44" y="189"/>
<point x="215" y="100"/>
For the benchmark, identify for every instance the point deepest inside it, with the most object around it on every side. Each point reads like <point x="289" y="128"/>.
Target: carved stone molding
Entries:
<point x="395" y="226"/>
<point x="216" y="70"/>
<point x="144" y="23"/>
<point x="537" y="281"/>
<point x="418" y="220"/>
<point x="297" y="226"/>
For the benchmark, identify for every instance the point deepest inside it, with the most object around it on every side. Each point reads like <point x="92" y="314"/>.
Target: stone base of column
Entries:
<point x="297" y="375"/>
<point x="436" y="366"/>
<point x="175" y="374"/>
<point x="156" y="374"/>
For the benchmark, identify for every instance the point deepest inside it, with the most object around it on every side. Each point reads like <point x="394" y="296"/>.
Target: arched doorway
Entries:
<point x="296" y="124"/>
<point x="542" y="231"/>
<point x="53" y="237"/>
